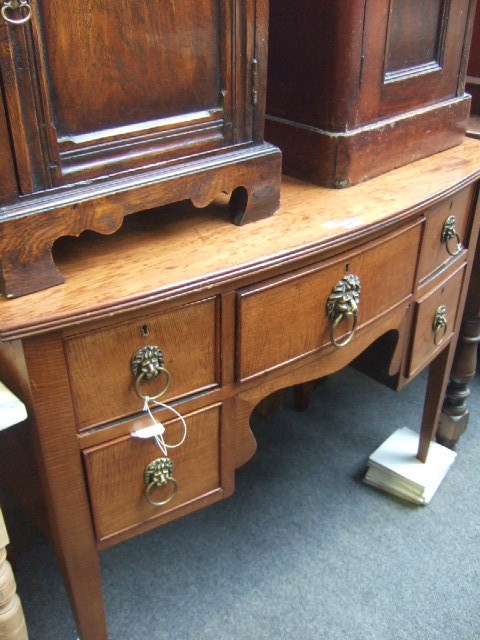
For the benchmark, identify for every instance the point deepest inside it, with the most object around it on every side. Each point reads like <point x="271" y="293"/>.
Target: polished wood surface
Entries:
<point x="106" y="275"/>
<point x="373" y="86"/>
<point x="265" y="339"/>
<point x="189" y="338"/>
<point x="185" y="279"/>
<point x="433" y="252"/>
<point x="445" y="294"/>
<point x="99" y="126"/>
<point x="115" y="473"/>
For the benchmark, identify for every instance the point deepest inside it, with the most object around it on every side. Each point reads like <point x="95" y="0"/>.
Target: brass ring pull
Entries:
<point x="147" y="364"/>
<point x="143" y="376"/>
<point x="343" y="303"/>
<point x="334" y="325"/>
<point x="440" y="325"/>
<point x="13" y="5"/>
<point x="160" y="503"/>
<point x="448" y="234"/>
<point x="158" y="473"/>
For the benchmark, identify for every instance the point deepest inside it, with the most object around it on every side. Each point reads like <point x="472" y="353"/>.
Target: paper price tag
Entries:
<point x="150" y="432"/>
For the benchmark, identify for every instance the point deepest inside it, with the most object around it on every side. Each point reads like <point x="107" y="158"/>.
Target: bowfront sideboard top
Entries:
<point x="166" y="254"/>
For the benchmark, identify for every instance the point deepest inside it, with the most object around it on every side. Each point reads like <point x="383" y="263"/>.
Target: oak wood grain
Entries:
<point x="116" y="474"/>
<point x="446" y="294"/>
<point x="61" y="473"/>
<point x="176" y="113"/>
<point x="188" y="339"/>
<point x="160" y="258"/>
<point x="286" y="318"/>
<point x="434" y="251"/>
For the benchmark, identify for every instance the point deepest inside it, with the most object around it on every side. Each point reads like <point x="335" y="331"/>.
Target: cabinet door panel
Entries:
<point x="125" y="84"/>
<point x="411" y="49"/>
<point x="404" y="51"/>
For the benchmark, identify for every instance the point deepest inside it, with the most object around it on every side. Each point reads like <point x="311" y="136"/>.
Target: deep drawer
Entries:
<point x="286" y="318"/>
<point x="201" y="468"/>
<point x="437" y="251"/>
<point x="103" y="386"/>
<point x="429" y="309"/>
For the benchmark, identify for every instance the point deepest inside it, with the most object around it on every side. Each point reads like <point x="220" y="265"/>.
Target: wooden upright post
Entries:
<point x="12" y="621"/>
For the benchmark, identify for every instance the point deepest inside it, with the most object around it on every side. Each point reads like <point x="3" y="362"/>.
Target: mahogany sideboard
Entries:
<point x="237" y="313"/>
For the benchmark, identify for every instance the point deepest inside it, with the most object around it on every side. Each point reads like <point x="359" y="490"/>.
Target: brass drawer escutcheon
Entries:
<point x="158" y="473"/>
<point x="449" y="233"/>
<point x="147" y="364"/>
<point x="342" y="304"/>
<point x="439" y="325"/>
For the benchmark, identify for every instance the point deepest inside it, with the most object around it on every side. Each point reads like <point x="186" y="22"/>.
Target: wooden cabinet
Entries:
<point x="247" y="317"/>
<point x="374" y="85"/>
<point x="473" y="69"/>
<point x="111" y="108"/>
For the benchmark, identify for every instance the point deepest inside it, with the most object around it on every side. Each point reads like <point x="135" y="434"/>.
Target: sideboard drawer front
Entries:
<point x="115" y="473"/>
<point x="103" y="385"/>
<point x="434" y="251"/>
<point x="286" y="318"/>
<point x="447" y="295"/>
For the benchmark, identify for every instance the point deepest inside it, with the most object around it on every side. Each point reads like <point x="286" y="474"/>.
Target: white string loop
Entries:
<point x="159" y="436"/>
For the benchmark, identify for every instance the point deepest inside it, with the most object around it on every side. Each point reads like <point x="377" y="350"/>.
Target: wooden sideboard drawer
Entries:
<point x="102" y="383"/>
<point x="435" y="251"/>
<point x="286" y="318"/>
<point x="440" y="306"/>
<point x="201" y="467"/>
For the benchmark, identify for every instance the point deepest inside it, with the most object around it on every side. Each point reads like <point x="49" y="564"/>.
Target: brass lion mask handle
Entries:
<point x="158" y="473"/>
<point x="147" y="364"/>
<point x="439" y="325"/>
<point x="343" y="304"/>
<point x="448" y="234"/>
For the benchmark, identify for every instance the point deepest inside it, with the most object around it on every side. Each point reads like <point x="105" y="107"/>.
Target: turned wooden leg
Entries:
<point x="12" y="620"/>
<point x="455" y="415"/>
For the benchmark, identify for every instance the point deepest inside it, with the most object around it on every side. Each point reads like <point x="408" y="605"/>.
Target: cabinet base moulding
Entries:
<point x="29" y="228"/>
<point x="344" y="158"/>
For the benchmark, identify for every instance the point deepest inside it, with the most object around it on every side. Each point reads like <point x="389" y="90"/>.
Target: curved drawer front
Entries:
<point x="435" y="315"/>
<point x="103" y="385"/>
<point x="286" y="318"/>
<point x="446" y="226"/>
<point x="116" y="474"/>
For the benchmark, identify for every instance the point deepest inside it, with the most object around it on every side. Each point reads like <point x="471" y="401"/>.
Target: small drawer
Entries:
<point x="102" y="383"/>
<point x="286" y="318"/>
<point x="446" y="226"/>
<point x="116" y="473"/>
<point x="438" y="308"/>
